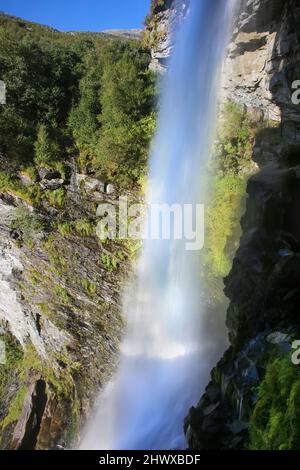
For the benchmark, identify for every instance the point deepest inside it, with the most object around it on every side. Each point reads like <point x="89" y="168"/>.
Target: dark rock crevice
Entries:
<point x="33" y="425"/>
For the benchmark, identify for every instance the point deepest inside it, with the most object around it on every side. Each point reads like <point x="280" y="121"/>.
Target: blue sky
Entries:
<point x="80" y="15"/>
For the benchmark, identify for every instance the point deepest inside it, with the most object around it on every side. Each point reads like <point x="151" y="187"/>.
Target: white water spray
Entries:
<point x="167" y="352"/>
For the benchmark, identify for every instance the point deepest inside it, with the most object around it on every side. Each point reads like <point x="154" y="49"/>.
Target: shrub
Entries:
<point x="28" y="223"/>
<point x="57" y="197"/>
<point x="11" y="184"/>
<point x="233" y="150"/>
<point x="84" y="228"/>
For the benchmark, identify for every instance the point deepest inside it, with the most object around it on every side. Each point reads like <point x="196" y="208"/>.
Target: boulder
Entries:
<point x="48" y="174"/>
<point x="51" y="184"/>
<point x="90" y="184"/>
<point x="25" y="179"/>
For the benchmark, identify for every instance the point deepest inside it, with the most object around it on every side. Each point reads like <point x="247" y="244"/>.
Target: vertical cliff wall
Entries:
<point x="237" y="410"/>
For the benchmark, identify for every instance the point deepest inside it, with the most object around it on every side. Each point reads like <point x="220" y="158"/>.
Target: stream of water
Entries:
<point x="167" y="352"/>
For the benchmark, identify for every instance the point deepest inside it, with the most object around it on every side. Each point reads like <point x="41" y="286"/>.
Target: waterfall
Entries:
<point x="167" y="352"/>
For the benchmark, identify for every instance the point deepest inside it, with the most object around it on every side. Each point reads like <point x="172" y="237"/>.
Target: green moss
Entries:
<point x="223" y="223"/>
<point x="275" y="423"/>
<point x="232" y="162"/>
<point x="30" y="172"/>
<point x="13" y="354"/>
<point x="10" y="184"/>
<point x="23" y="365"/>
<point x="15" y="407"/>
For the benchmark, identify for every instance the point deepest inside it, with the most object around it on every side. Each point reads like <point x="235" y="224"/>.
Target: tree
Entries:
<point x="127" y="112"/>
<point x="84" y="116"/>
<point x="45" y="149"/>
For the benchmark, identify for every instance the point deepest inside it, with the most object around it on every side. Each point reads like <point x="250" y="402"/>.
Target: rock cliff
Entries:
<point x="262" y="65"/>
<point x="59" y="313"/>
<point x="162" y="20"/>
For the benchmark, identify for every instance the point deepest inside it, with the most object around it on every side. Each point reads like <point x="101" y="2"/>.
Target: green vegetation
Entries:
<point x="65" y="228"/>
<point x="232" y="164"/>
<point x="42" y="77"/>
<point x="35" y="276"/>
<point x="127" y="120"/>
<point x="89" y="286"/>
<point x="156" y="7"/>
<point x="109" y="261"/>
<point x="11" y="184"/>
<point x="16" y="407"/>
<point x="84" y="95"/>
<point x="236" y="132"/>
<point x="62" y="294"/>
<point x="57" y="197"/>
<point x="23" y="365"/>
<point x="29" y="224"/>
<point x="14" y="354"/>
<point x="275" y="423"/>
<point x="222" y="223"/>
<point x="84" y="227"/>
<point x="46" y="149"/>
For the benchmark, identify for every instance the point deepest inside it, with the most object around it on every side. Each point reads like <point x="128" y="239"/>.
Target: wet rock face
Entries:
<point x="263" y="318"/>
<point x="263" y="285"/>
<point x="221" y="418"/>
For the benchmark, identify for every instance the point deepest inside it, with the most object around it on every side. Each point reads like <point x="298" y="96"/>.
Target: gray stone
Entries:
<point x="110" y="189"/>
<point x="51" y="184"/>
<point x="277" y="337"/>
<point x="236" y="427"/>
<point x="209" y="409"/>
<point x="91" y="185"/>
<point x="48" y="174"/>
